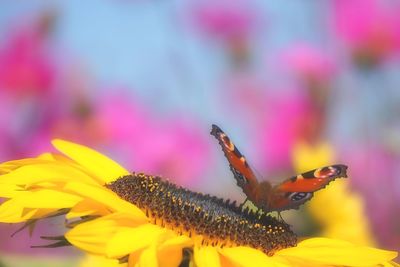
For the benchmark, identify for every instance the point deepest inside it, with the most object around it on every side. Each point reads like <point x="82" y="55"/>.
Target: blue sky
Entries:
<point x="147" y="46"/>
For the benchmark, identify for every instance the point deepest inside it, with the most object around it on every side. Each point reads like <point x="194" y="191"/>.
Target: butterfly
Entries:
<point x="289" y="194"/>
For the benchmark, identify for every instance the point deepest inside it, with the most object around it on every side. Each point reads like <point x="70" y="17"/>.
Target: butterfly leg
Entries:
<point x="260" y="212"/>
<point x="243" y="203"/>
<point x="280" y="216"/>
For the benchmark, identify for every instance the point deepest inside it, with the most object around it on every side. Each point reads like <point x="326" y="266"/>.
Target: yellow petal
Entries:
<point x="8" y="166"/>
<point x="166" y="249"/>
<point x="348" y="222"/>
<point x="37" y="204"/>
<point x="26" y="204"/>
<point x="94" y="236"/>
<point x="56" y="157"/>
<point x="306" y="157"/>
<point x="99" y="261"/>
<point x="129" y="240"/>
<point x="10" y="190"/>
<point x="45" y="172"/>
<point x="249" y="257"/>
<point x="87" y="207"/>
<point x="98" y="164"/>
<point x="12" y="212"/>
<point x="182" y="241"/>
<point x="391" y="264"/>
<point x="134" y="258"/>
<point x="206" y="256"/>
<point x="335" y="252"/>
<point x="148" y="258"/>
<point x="60" y="158"/>
<point x="169" y="253"/>
<point x="106" y="197"/>
<point x="47" y="199"/>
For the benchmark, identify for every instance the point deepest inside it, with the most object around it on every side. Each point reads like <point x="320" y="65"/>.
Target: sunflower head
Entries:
<point x="218" y="222"/>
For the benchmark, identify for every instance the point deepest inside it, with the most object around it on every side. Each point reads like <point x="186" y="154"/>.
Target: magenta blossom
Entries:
<point x="231" y="22"/>
<point x="309" y="62"/>
<point x="278" y="117"/>
<point x="369" y="28"/>
<point x="375" y="170"/>
<point x="314" y="67"/>
<point x="289" y="117"/>
<point x="26" y="65"/>
<point x="281" y="118"/>
<point x="7" y="111"/>
<point x="175" y="148"/>
<point x="246" y="92"/>
<point x="224" y="19"/>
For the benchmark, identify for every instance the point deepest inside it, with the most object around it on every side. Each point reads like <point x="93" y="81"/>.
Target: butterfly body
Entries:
<point x="289" y="194"/>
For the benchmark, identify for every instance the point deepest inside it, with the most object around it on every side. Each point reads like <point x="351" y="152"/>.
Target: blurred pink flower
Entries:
<point x="309" y="62"/>
<point x="368" y="27"/>
<point x="288" y="118"/>
<point x="26" y="64"/>
<point x="65" y="115"/>
<point x="23" y="120"/>
<point x="246" y="92"/>
<point x="224" y="19"/>
<point x="23" y="123"/>
<point x="315" y="69"/>
<point x="374" y="173"/>
<point x="279" y="118"/>
<point x="174" y="148"/>
<point x="6" y="117"/>
<point x="231" y="22"/>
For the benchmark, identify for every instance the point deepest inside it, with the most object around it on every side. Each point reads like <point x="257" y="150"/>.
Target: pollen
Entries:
<point x="219" y="222"/>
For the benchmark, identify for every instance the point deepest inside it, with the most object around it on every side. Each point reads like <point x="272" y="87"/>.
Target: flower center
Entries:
<point x="220" y="223"/>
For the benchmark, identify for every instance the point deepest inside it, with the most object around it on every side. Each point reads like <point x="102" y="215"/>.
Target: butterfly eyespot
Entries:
<point x="227" y="143"/>
<point x="326" y="172"/>
<point x="297" y="196"/>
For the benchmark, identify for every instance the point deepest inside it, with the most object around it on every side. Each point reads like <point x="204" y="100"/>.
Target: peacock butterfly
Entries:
<point x="289" y="194"/>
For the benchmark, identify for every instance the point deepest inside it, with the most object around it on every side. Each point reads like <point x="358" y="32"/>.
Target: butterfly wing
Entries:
<point x="293" y="192"/>
<point x="244" y="175"/>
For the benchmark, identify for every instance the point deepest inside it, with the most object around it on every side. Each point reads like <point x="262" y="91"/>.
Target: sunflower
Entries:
<point x="126" y="219"/>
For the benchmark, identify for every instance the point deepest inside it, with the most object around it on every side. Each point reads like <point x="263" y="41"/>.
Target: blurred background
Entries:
<point x="296" y="85"/>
